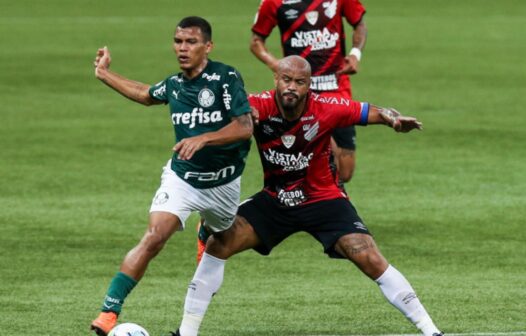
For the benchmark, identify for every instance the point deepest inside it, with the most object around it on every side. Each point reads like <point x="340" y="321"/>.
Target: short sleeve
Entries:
<point x="234" y="94"/>
<point x="266" y="18"/>
<point x="353" y="11"/>
<point x="158" y="91"/>
<point x="355" y="113"/>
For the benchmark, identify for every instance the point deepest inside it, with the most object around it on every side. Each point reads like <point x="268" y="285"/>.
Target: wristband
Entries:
<point x="357" y="53"/>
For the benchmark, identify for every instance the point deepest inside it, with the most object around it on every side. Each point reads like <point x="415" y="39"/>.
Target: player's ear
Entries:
<point x="209" y="46"/>
<point x="276" y="79"/>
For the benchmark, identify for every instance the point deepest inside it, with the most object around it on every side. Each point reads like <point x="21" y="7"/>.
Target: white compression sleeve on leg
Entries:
<point x="400" y="294"/>
<point x="207" y="280"/>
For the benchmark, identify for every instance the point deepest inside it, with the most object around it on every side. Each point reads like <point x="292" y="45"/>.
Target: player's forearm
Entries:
<point x="381" y="115"/>
<point x="130" y="89"/>
<point x="238" y="129"/>
<point x="359" y="36"/>
<point x="259" y="49"/>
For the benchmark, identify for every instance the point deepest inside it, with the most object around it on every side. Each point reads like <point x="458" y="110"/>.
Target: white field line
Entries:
<point x="512" y="333"/>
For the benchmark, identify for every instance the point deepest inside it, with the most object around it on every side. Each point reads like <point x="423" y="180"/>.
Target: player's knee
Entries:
<point x="153" y="242"/>
<point x="219" y="246"/>
<point x="376" y="264"/>
<point x="372" y="263"/>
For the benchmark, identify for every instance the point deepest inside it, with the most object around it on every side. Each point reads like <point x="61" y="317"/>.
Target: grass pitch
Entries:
<point x="79" y="165"/>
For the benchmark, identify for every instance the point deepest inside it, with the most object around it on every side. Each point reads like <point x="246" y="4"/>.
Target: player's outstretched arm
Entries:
<point x="259" y="49"/>
<point x="130" y="89"/>
<point x="392" y="118"/>
<point x="240" y="128"/>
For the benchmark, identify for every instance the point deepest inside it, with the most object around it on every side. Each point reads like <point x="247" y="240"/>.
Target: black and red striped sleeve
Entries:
<point x="353" y="10"/>
<point x="266" y="17"/>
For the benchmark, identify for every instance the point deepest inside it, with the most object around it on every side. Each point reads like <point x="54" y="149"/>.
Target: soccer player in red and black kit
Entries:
<point x="299" y="194"/>
<point x="314" y="30"/>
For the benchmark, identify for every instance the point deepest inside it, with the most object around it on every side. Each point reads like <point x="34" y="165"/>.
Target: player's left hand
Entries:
<point x="406" y="124"/>
<point x="349" y="66"/>
<point x="187" y="147"/>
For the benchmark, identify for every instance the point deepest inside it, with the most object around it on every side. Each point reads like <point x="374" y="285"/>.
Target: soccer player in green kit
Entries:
<point x="211" y="117"/>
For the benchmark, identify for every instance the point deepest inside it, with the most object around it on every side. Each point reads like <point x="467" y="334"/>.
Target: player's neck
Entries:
<point x="194" y="72"/>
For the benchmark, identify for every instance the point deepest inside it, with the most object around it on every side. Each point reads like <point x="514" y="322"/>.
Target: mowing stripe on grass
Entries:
<point x="511" y="333"/>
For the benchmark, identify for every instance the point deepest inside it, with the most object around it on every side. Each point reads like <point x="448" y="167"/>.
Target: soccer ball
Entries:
<point x="128" y="329"/>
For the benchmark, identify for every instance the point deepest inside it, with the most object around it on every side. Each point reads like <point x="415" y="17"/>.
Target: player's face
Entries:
<point x="292" y="85"/>
<point x="191" y="49"/>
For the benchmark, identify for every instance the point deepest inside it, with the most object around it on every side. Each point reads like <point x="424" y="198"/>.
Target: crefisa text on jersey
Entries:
<point x="197" y="115"/>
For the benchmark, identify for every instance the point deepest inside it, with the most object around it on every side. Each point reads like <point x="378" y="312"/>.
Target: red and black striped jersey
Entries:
<point x="295" y="154"/>
<point x="312" y="29"/>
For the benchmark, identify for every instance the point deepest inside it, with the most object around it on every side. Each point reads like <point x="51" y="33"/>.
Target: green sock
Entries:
<point x="120" y="287"/>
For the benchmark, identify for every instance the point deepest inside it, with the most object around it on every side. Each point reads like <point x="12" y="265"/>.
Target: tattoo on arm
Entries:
<point x="390" y="115"/>
<point x="245" y="120"/>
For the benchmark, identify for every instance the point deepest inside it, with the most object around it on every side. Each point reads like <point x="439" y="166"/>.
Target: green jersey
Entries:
<point x="204" y="104"/>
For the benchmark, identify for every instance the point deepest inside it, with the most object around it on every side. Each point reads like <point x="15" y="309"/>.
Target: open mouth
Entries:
<point x="183" y="59"/>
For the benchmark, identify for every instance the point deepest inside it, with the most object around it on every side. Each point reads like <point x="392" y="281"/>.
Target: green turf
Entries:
<point x="79" y="165"/>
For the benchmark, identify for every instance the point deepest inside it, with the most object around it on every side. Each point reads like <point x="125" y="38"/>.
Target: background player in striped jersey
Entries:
<point x="299" y="194"/>
<point x="210" y="115"/>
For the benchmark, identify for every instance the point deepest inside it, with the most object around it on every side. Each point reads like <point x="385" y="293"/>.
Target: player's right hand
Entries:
<point x="102" y="61"/>
<point x="406" y="124"/>
<point x="349" y="66"/>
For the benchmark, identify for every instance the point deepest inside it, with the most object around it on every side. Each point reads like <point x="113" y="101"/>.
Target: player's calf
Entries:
<point x="202" y="237"/>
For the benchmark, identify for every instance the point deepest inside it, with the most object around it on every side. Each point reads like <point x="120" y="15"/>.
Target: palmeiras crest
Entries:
<point x="206" y="97"/>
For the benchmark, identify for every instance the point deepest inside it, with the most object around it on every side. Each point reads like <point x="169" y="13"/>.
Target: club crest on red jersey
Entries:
<point x="312" y="17"/>
<point x="288" y="140"/>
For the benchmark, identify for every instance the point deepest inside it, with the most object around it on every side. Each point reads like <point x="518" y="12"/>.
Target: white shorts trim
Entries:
<point x="217" y="205"/>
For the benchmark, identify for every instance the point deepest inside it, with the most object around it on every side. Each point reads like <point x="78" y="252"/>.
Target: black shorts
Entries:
<point x="345" y="137"/>
<point x="326" y="221"/>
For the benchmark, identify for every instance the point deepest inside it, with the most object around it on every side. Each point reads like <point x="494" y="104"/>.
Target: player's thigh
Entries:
<point x="270" y="221"/>
<point x="345" y="140"/>
<point x="218" y="205"/>
<point x="239" y="237"/>
<point x="328" y="221"/>
<point x="174" y="196"/>
<point x="163" y="224"/>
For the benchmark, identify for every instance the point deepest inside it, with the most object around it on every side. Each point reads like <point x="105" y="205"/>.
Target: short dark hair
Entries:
<point x="199" y="22"/>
